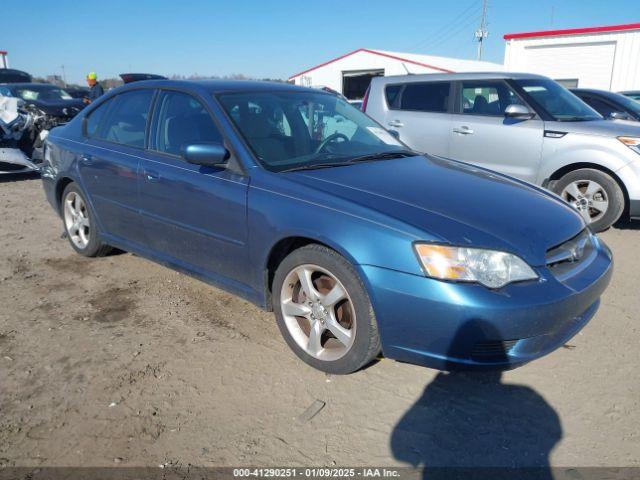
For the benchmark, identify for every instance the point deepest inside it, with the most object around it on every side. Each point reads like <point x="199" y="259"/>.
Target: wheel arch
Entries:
<point x="561" y="172"/>
<point x="61" y="184"/>
<point x="283" y="247"/>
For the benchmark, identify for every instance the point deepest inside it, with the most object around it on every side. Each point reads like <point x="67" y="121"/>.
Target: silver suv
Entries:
<point x="523" y="125"/>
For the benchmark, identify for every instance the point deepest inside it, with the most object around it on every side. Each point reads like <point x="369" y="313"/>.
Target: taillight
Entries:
<point x="365" y="99"/>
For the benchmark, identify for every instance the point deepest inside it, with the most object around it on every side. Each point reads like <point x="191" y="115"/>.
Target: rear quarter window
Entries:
<point x="392" y="93"/>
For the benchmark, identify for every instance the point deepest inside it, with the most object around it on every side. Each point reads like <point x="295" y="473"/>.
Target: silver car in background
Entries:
<point x="526" y="126"/>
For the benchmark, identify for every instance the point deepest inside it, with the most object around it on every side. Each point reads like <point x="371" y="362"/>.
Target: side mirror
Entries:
<point x="619" y="116"/>
<point x="518" y="111"/>
<point x="207" y="154"/>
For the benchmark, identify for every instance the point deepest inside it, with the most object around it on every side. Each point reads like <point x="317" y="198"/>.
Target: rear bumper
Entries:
<point x="456" y="325"/>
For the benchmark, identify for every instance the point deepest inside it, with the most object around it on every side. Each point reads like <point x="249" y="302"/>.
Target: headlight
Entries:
<point x="491" y="268"/>
<point x="632" y="142"/>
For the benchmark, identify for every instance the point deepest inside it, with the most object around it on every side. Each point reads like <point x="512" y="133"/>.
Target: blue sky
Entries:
<point x="268" y="38"/>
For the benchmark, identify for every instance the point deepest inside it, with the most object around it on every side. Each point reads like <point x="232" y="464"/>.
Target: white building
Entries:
<point x="351" y="73"/>
<point x="597" y="57"/>
<point x="4" y="61"/>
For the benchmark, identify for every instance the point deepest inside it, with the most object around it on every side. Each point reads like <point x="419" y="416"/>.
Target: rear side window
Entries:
<point x="392" y="93"/>
<point x="425" y="97"/>
<point x="183" y="120"/>
<point x="95" y="118"/>
<point x="126" y="121"/>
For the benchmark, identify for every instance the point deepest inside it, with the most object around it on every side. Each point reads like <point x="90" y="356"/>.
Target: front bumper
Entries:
<point x="450" y="326"/>
<point x="630" y="177"/>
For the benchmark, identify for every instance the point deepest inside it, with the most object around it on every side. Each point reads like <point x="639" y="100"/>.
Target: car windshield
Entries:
<point x="42" y="93"/>
<point x="293" y="130"/>
<point x="557" y="101"/>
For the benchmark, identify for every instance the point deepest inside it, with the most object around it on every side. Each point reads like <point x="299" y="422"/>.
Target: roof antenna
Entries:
<point x="405" y="67"/>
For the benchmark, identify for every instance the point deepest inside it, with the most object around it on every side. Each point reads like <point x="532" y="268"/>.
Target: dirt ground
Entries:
<point x="119" y="361"/>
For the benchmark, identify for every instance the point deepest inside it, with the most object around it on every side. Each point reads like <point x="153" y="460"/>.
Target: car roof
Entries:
<point x="434" y="77"/>
<point x="222" y="86"/>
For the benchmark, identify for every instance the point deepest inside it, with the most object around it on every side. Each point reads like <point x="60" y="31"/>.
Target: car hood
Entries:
<point x="57" y="107"/>
<point x="604" y="128"/>
<point x="455" y="203"/>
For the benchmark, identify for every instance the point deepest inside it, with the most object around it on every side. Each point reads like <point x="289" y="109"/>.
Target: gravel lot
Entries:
<point x="120" y="361"/>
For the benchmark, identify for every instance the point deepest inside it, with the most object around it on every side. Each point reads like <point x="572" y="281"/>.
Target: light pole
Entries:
<point x="482" y="32"/>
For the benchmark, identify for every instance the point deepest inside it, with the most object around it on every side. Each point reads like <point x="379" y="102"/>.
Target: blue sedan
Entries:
<point x="300" y="203"/>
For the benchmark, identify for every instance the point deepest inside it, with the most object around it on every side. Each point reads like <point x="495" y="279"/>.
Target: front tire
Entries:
<point x="324" y="312"/>
<point x="80" y="225"/>
<point x="596" y="196"/>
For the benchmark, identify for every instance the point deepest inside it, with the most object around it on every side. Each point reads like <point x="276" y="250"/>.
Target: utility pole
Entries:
<point x="482" y="33"/>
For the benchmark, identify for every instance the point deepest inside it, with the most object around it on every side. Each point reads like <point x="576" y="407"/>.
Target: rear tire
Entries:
<point x="323" y="311"/>
<point x="596" y="196"/>
<point x="80" y="224"/>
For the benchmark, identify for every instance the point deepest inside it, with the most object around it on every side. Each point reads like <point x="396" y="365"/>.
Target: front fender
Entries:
<point x="275" y="215"/>
<point x="575" y="149"/>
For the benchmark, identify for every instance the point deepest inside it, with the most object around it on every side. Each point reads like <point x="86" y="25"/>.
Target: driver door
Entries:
<point x="193" y="215"/>
<point x="482" y="135"/>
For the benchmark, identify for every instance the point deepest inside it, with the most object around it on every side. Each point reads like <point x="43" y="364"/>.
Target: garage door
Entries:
<point x="589" y="63"/>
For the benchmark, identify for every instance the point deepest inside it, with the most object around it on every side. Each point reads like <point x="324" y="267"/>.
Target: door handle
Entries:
<point x="463" y="130"/>
<point x="151" y="176"/>
<point x="86" y="159"/>
<point x="395" y="123"/>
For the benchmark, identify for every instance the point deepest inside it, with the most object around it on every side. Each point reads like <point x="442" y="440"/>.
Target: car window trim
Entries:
<point x="403" y="87"/>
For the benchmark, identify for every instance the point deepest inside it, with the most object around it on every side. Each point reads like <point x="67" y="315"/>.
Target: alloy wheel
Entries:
<point x="588" y="197"/>
<point x="76" y="220"/>
<point x="318" y="312"/>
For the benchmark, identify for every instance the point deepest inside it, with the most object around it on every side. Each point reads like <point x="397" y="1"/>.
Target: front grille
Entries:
<point x="571" y="256"/>
<point x="493" y="350"/>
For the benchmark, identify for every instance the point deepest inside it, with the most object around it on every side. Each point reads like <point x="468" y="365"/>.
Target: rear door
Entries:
<point x="109" y="163"/>
<point x="482" y="135"/>
<point x="420" y="113"/>
<point x="195" y="215"/>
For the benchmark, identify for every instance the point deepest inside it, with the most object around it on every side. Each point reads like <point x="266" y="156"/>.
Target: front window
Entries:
<point x="557" y="101"/>
<point x="486" y="98"/>
<point x="289" y="130"/>
<point x="42" y="93"/>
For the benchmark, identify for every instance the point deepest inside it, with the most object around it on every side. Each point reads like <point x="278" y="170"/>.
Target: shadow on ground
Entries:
<point x="473" y="419"/>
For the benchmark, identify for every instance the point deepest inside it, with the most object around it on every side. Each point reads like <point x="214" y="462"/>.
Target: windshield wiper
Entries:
<point x="313" y="166"/>
<point x="383" y="156"/>
<point x="351" y="160"/>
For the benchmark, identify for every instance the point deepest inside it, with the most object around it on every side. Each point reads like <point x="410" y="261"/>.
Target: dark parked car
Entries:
<point x="77" y="92"/>
<point x="46" y="99"/>
<point x="609" y="104"/>
<point x="299" y="202"/>
<point x="633" y="94"/>
<point x="10" y="75"/>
